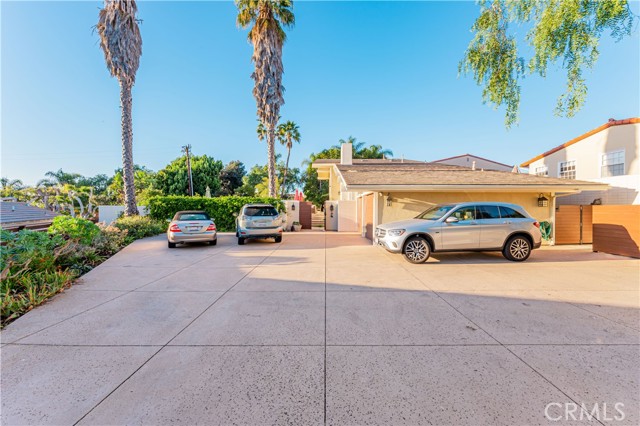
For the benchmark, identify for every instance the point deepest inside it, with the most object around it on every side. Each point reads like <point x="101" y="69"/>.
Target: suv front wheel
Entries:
<point x="417" y="250"/>
<point x="517" y="249"/>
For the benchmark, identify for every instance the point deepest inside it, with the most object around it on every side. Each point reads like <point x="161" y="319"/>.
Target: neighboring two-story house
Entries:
<point x="608" y="154"/>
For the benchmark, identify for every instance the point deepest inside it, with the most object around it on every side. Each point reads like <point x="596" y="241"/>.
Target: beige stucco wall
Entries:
<point x="408" y="205"/>
<point x="588" y="152"/>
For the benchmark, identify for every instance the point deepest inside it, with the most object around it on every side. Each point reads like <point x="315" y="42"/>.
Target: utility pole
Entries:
<point x="187" y="149"/>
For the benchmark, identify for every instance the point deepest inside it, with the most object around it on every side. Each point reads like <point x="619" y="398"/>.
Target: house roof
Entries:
<point x="14" y="213"/>
<point x="368" y="161"/>
<point x="437" y="176"/>
<point x="605" y="126"/>
<point x="474" y="156"/>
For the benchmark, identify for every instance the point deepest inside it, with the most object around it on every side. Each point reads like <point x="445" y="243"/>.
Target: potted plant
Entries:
<point x="296" y="226"/>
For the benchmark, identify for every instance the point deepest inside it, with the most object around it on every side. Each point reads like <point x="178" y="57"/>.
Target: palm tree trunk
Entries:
<point x="271" y="165"/>
<point x="130" y="206"/>
<point x="286" y="169"/>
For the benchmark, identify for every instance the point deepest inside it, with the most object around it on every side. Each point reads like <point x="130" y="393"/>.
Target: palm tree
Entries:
<point x="357" y="146"/>
<point x="63" y="178"/>
<point x="288" y="133"/>
<point x="122" y="45"/>
<point x="267" y="36"/>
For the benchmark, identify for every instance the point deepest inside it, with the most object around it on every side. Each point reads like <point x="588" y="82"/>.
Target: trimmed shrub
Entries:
<point x="74" y="228"/>
<point x="110" y="241"/>
<point x="221" y="209"/>
<point x="139" y="227"/>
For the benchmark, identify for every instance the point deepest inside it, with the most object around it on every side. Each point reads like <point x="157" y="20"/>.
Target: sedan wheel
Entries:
<point x="417" y="250"/>
<point x="517" y="249"/>
<point x="171" y="245"/>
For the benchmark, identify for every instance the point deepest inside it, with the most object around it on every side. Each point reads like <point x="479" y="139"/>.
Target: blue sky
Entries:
<point x="384" y="72"/>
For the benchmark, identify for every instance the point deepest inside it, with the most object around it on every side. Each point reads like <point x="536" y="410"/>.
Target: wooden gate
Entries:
<point x="368" y="216"/>
<point x="305" y="214"/>
<point x="574" y="225"/>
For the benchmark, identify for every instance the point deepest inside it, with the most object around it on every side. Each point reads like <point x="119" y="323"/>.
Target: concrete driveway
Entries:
<point x="325" y="328"/>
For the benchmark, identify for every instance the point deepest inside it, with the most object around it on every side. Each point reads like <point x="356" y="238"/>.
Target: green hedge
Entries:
<point x="221" y="209"/>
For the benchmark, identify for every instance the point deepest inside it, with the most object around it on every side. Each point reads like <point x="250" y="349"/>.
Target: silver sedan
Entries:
<point x="191" y="227"/>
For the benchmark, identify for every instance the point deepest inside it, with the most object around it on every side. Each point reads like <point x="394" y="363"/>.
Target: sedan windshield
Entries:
<point x="434" y="213"/>
<point x="260" y="211"/>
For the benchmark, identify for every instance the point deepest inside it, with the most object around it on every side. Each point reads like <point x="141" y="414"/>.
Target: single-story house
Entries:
<point x="366" y="193"/>
<point x="15" y="216"/>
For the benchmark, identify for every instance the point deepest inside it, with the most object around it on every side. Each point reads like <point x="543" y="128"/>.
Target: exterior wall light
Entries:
<point x="293" y="207"/>
<point x="543" y="201"/>
<point x="389" y="199"/>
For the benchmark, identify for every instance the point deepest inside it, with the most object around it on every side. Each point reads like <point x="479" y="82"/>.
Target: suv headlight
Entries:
<point x="395" y="232"/>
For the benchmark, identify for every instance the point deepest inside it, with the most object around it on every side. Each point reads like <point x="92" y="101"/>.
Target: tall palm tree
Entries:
<point x="288" y="133"/>
<point x="357" y="146"/>
<point x="267" y="36"/>
<point x="122" y="45"/>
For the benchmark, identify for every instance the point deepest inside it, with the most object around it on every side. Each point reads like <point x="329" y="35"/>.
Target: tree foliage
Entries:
<point x="231" y="178"/>
<point x="565" y="31"/>
<point x="205" y="170"/>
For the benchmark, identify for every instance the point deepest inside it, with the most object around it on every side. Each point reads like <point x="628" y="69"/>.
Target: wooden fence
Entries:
<point x="616" y="230"/>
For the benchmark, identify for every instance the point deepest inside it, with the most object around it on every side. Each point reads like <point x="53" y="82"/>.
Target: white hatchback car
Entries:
<point x="476" y="226"/>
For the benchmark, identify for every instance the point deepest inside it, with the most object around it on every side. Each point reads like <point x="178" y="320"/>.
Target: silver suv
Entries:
<point x="477" y="226"/>
<point x="259" y="221"/>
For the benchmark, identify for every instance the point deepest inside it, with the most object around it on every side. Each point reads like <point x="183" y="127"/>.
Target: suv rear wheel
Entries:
<point x="517" y="249"/>
<point x="417" y="250"/>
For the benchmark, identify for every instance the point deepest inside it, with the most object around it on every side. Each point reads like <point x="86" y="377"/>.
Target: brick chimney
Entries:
<point x="346" y="154"/>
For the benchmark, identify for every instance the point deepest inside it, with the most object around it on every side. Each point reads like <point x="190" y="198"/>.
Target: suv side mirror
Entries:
<point x="235" y="214"/>
<point x="451" y="219"/>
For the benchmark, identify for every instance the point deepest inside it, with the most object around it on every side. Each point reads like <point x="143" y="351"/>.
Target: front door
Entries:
<point x="463" y="234"/>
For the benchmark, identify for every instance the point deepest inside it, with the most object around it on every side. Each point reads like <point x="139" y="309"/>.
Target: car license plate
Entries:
<point x="261" y="224"/>
<point x="193" y="228"/>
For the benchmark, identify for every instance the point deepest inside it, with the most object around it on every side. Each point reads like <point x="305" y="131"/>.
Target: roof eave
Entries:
<point x="483" y="188"/>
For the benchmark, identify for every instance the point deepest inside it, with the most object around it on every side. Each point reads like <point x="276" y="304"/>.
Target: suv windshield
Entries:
<point x="434" y="213"/>
<point x="260" y="211"/>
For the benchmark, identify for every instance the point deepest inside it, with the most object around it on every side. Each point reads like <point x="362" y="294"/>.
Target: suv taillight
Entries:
<point x="211" y="227"/>
<point x="536" y="224"/>
<point x="174" y="228"/>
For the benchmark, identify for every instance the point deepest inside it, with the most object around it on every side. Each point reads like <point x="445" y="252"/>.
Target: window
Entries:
<point x="488" y="212"/>
<point x="260" y="211"/>
<point x="567" y="169"/>
<point x="613" y="163"/>
<point x="542" y="171"/>
<point x="510" y="213"/>
<point x="191" y="216"/>
<point x="434" y="213"/>
<point x="465" y="213"/>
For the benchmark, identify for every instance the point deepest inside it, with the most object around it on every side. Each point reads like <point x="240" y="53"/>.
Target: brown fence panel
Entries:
<point x="305" y="214"/>
<point x="616" y="230"/>
<point x="359" y="214"/>
<point x="568" y="225"/>
<point x="368" y="215"/>
<point x="587" y="224"/>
